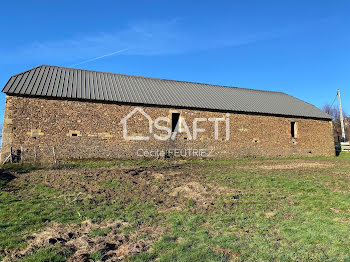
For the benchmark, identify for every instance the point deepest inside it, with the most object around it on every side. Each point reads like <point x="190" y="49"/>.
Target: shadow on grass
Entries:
<point x="5" y="178"/>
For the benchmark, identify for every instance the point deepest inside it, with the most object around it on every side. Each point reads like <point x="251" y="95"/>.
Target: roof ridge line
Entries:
<point x="163" y="79"/>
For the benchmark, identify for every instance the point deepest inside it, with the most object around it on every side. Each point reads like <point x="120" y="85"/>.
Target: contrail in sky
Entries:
<point x="99" y="57"/>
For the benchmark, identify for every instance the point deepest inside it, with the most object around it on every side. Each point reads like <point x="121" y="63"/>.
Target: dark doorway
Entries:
<point x="174" y="121"/>
<point x="292" y="129"/>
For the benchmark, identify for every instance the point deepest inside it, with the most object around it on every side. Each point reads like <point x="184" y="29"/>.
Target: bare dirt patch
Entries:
<point x="297" y="165"/>
<point x="166" y="187"/>
<point x="112" y="244"/>
<point x="341" y="220"/>
<point x="201" y="194"/>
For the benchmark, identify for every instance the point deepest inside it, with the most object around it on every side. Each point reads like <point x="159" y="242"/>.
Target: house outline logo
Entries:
<point x="125" y="119"/>
<point x="172" y="133"/>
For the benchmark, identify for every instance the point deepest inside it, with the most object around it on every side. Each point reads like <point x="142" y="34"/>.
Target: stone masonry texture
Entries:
<point x="45" y="129"/>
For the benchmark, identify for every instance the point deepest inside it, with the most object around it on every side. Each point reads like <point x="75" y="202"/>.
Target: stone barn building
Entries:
<point x="55" y="113"/>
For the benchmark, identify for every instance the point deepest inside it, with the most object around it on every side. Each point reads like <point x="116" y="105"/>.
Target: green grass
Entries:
<point x="301" y="214"/>
<point x="302" y="232"/>
<point x="301" y="225"/>
<point x="96" y="256"/>
<point x="99" y="232"/>
<point x="344" y="155"/>
<point x="20" y="216"/>
<point x="97" y="163"/>
<point x="52" y="254"/>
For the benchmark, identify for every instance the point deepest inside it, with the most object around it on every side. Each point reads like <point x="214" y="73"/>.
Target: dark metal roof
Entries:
<point x="70" y="83"/>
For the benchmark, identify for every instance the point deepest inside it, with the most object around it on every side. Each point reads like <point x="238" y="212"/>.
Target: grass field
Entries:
<point x="238" y="210"/>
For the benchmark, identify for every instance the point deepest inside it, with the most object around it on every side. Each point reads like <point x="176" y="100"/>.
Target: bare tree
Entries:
<point x="334" y="112"/>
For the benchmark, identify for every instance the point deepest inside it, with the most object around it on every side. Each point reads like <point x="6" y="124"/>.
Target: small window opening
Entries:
<point x="74" y="134"/>
<point x="293" y="129"/>
<point x="174" y="122"/>
<point x="35" y="134"/>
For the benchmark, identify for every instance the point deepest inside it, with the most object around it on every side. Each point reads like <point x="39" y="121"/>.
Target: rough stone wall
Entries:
<point x="79" y="129"/>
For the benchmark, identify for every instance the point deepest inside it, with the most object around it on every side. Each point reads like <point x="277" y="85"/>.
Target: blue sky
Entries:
<point x="298" y="47"/>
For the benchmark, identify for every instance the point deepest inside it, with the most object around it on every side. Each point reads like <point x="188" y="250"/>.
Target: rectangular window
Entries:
<point x="174" y="122"/>
<point x="35" y="134"/>
<point x="293" y="129"/>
